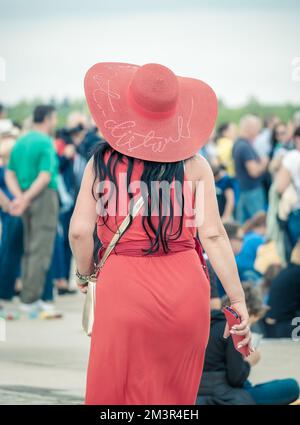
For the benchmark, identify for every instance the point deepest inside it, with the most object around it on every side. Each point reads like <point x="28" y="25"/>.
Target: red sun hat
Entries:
<point x="148" y="112"/>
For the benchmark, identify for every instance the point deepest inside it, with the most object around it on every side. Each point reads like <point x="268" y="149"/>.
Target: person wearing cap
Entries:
<point x="151" y="323"/>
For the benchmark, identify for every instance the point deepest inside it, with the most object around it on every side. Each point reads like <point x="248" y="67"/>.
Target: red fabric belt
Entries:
<point x="135" y="249"/>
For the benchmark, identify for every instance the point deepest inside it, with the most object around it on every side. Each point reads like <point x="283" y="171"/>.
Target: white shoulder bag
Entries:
<point x="90" y="300"/>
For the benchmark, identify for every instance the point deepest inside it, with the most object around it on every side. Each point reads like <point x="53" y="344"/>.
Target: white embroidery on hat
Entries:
<point x="126" y="136"/>
<point x="104" y="87"/>
<point x="124" y="131"/>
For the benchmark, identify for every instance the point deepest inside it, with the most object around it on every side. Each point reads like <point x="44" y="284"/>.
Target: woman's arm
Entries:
<point x="216" y="244"/>
<point x="83" y="223"/>
<point x="213" y="236"/>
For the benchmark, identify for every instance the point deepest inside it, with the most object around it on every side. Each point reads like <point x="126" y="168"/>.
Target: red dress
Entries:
<point x="152" y="320"/>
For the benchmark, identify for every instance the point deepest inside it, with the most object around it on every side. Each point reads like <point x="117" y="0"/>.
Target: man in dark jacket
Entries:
<point x="225" y="373"/>
<point x="225" y="370"/>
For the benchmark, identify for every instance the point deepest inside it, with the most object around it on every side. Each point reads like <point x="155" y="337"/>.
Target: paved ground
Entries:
<point x="44" y="361"/>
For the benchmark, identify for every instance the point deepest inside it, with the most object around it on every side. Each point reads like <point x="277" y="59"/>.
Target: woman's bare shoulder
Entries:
<point x="197" y="167"/>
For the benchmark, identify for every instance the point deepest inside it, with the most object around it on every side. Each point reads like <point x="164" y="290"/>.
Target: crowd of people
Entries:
<point x="257" y="177"/>
<point x="39" y="182"/>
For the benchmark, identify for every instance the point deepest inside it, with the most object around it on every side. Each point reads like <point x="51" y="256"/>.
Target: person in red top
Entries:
<point x="152" y="315"/>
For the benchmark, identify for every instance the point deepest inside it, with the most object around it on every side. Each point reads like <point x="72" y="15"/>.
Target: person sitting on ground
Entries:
<point x="254" y="231"/>
<point x="245" y="247"/>
<point x="284" y="300"/>
<point x="225" y="373"/>
<point x="272" y="271"/>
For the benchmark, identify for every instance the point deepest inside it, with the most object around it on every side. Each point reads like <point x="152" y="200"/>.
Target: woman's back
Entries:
<point x="151" y="321"/>
<point x="156" y="306"/>
<point x="136" y="232"/>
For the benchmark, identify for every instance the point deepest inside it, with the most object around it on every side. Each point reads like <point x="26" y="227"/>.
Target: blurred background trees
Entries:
<point x="23" y="109"/>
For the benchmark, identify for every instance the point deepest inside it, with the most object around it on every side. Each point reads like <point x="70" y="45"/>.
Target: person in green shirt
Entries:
<point x="31" y="176"/>
<point x="33" y="154"/>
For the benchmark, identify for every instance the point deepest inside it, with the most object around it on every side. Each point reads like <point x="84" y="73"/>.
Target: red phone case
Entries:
<point x="232" y="320"/>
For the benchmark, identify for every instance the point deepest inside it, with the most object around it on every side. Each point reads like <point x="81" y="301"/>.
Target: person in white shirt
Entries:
<point x="289" y="173"/>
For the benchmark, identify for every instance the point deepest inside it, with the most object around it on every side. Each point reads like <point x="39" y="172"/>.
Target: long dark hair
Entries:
<point x="274" y="140"/>
<point x="220" y="130"/>
<point x="161" y="232"/>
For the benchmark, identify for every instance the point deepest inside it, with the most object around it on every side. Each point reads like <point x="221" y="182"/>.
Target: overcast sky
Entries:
<point x="241" y="48"/>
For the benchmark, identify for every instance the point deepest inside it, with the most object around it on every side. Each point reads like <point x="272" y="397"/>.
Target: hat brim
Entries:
<point x="169" y="139"/>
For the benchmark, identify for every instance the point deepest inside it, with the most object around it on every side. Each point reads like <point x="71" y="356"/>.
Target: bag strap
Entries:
<point x="123" y="226"/>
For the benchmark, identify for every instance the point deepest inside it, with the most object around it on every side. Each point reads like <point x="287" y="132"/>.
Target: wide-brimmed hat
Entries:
<point x="148" y="112"/>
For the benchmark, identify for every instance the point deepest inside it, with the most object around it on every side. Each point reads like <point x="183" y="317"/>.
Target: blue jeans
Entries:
<point x="294" y="226"/>
<point x="65" y="219"/>
<point x="48" y="295"/>
<point x="279" y="391"/>
<point x="58" y="262"/>
<point x="250" y="202"/>
<point x="11" y="251"/>
<point x="62" y="255"/>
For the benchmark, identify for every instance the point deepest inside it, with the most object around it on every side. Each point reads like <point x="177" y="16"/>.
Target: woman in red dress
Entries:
<point x="152" y="315"/>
